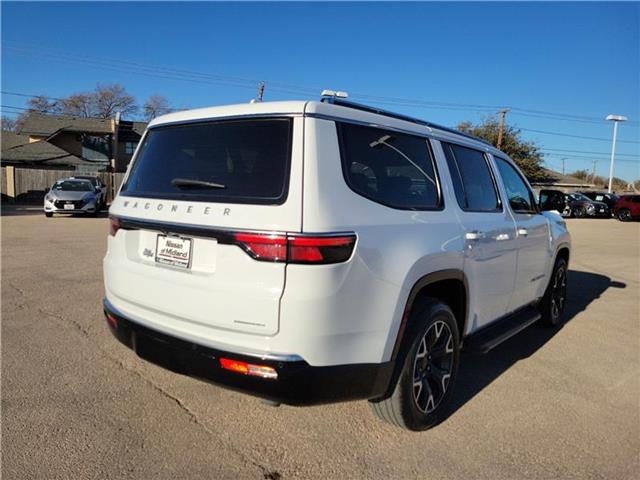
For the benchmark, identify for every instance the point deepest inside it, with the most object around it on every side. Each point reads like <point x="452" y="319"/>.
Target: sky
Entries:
<point x="560" y="67"/>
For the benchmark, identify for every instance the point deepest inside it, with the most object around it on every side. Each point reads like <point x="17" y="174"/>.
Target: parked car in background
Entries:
<point x="361" y="278"/>
<point x="72" y="195"/>
<point x="609" y="198"/>
<point x="101" y="188"/>
<point x="627" y="208"/>
<point x="572" y="204"/>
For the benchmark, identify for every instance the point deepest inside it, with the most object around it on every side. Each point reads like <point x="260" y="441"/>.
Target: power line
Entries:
<point x="594" y="153"/>
<point x="240" y="82"/>
<point x="574" y="136"/>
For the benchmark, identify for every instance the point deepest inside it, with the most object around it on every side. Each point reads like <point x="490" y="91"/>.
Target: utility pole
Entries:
<point x="503" y="112"/>
<point x="260" y="91"/>
<point x="563" y="165"/>
<point x="593" y="171"/>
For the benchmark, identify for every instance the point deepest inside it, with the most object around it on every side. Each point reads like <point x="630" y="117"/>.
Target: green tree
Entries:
<point x="526" y="154"/>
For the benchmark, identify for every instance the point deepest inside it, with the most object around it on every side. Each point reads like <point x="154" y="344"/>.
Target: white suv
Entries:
<point x="312" y="252"/>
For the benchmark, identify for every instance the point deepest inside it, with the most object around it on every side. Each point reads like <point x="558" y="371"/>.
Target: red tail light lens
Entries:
<point x="270" y="248"/>
<point x="325" y="249"/>
<point x="311" y="249"/>
<point x="114" y="226"/>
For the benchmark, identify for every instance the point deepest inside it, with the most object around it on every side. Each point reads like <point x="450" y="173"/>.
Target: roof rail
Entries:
<point x="366" y="108"/>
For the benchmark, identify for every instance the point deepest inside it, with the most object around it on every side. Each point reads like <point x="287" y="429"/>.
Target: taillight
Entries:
<point x="310" y="249"/>
<point x="114" y="226"/>
<point x="325" y="249"/>
<point x="245" y="368"/>
<point x="266" y="247"/>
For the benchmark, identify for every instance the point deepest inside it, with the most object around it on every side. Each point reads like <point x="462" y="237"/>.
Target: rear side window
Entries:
<point x="244" y="161"/>
<point x="390" y="168"/>
<point x="472" y="180"/>
<point x="520" y="197"/>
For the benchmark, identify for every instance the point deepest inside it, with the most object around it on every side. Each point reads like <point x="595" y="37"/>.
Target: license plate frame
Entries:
<point x="174" y="251"/>
<point x="69" y="206"/>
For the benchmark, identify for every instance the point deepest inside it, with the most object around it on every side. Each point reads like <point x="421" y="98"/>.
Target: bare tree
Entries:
<point x="8" y="124"/>
<point x="78" y="105"/>
<point x="156" y="105"/>
<point x="42" y="104"/>
<point x="109" y="99"/>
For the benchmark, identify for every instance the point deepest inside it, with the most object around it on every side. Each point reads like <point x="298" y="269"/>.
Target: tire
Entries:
<point x="423" y="403"/>
<point x="555" y="297"/>
<point x="579" y="212"/>
<point x="48" y="214"/>
<point x="624" y="215"/>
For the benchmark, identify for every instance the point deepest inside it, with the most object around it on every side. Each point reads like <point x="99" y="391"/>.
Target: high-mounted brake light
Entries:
<point x="114" y="226"/>
<point x="322" y="249"/>
<point x="245" y="368"/>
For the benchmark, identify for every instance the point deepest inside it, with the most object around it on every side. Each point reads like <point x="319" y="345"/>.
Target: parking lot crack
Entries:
<point x="266" y="472"/>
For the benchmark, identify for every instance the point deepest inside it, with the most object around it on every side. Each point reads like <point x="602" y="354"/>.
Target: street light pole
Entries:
<point x="615" y="119"/>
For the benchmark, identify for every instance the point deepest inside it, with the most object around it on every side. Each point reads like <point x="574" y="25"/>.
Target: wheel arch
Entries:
<point x="448" y="286"/>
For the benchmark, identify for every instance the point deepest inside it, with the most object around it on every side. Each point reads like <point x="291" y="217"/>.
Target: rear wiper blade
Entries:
<point x="186" y="183"/>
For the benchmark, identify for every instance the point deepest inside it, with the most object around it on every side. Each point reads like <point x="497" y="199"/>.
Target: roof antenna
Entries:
<point x="260" y="96"/>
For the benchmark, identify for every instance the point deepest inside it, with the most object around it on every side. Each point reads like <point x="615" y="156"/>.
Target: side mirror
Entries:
<point x="46" y="190"/>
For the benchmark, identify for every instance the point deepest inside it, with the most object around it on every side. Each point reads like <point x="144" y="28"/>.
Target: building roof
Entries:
<point x="44" y="125"/>
<point x="557" y="179"/>
<point x="11" y="139"/>
<point x="39" y="153"/>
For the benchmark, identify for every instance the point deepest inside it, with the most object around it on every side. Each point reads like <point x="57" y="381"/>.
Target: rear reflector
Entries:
<point x="114" y="226"/>
<point x="312" y="249"/>
<point x="245" y="368"/>
<point x="113" y="321"/>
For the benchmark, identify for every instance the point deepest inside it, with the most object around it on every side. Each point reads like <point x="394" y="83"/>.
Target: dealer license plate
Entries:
<point x="174" y="251"/>
<point x="69" y="206"/>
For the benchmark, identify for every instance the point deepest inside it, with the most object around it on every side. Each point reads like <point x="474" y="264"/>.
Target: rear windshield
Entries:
<point x="73" y="186"/>
<point x="240" y="161"/>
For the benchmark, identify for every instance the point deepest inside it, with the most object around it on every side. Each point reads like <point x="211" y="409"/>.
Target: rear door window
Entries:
<point x="240" y="161"/>
<point x="472" y="179"/>
<point x="520" y="197"/>
<point x="390" y="168"/>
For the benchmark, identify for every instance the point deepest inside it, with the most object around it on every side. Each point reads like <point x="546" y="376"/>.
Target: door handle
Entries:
<point x="474" y="235"/>
<point x="523" y="232"/>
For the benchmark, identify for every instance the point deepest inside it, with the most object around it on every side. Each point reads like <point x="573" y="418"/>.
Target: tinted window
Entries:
<point x="249" y="159"/>
<point x="390" y="168"/>
<point x="472" y="180"/>
<point x="519" y="195"/>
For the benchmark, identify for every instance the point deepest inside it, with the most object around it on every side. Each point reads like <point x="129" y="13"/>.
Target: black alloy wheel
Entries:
<point x="624" y="215"/>
<point x="555" y="298"/>
<point x="432" y="367"/>
<point x="423" y="394"/>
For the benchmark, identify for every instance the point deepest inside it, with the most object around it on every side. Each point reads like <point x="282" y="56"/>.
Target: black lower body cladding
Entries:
<point x="298" y="383"/>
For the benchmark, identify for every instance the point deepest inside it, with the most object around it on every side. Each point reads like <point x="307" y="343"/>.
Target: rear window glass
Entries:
<point x="390" y="168"/>
<point x="245" y="161"/>
<point x="73" y="186"/>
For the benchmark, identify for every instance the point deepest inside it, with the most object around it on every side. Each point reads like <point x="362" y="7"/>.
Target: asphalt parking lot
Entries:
<point x="549" y="403"/>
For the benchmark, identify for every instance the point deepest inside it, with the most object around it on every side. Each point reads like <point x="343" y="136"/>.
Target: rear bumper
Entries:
<point x="298" y="383"/>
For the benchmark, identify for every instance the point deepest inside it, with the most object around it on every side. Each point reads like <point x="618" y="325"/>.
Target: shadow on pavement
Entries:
<point x="478" y="371"/>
